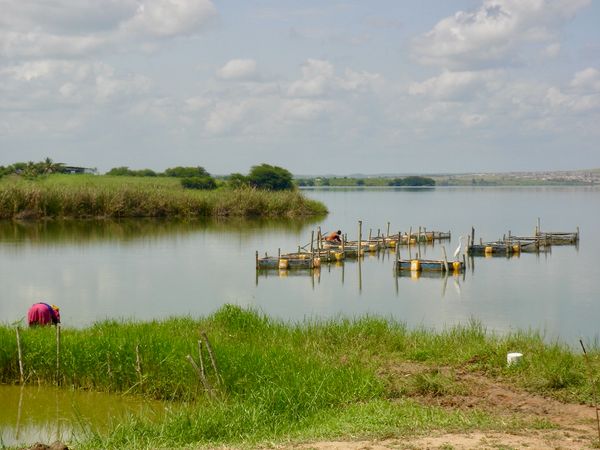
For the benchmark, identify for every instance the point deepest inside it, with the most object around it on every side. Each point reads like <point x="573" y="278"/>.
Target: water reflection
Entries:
<point x="47" y="414"/>
<point x="82" y="232"/>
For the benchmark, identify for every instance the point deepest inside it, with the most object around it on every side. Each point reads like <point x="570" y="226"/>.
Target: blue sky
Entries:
<point x="316" y="87"/>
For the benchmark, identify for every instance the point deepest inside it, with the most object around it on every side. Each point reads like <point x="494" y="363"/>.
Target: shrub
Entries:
<point x="206" y="183"/>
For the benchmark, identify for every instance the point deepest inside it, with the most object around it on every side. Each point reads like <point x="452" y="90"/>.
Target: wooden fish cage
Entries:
<point x="288" y="261"/>
<point x="429" y="265"/>
<point x="530" y="244"/>
<point x="420" y="237"/>
<point x="557" y="237"/>
<point x="494" y="249"/>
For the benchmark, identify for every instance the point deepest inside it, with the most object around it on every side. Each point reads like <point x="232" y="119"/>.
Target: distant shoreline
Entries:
<point x="589" y="177"/>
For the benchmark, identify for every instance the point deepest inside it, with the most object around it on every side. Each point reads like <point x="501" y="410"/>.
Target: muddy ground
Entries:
<point x="574" y="426"/>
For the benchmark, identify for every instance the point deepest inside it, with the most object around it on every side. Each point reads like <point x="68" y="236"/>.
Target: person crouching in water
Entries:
<point x="43" y="314"/>
<point x="334" y="237"/>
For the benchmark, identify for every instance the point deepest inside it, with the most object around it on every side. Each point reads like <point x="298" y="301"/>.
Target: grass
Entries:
<point x="88" y="196"/>
<point x="288" y="382"/>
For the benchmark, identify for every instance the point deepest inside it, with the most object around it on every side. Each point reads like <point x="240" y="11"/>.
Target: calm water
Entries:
<point x="152" y="269"/>
<point x="147" y="269"/>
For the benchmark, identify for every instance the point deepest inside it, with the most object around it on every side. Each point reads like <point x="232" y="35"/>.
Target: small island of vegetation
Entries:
<point x="50" y="190"/>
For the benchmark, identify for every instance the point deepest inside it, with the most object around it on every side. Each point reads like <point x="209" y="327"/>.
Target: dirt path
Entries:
<point x="575" y="426"/>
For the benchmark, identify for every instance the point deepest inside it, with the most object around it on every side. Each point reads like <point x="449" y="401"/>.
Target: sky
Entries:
<point x="317" y="87"/>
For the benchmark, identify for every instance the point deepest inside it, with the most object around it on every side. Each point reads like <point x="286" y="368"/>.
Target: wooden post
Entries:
<point x="138" y="363"/>
<point x="577" y="232"/>
<point x="359" y="236"/>
<point x="213" y="361"/>
<point x="445" y="258"/>
<point x="312" y="239"/>
<point x="256" y="258"/>
<point x="539" y="228"/>
<point x="202" y="371"/>
<point x="58" y="354"/>
<point x="388" y="229"/>
<point x="472" y="236"/>
<point x="20" y="353"/>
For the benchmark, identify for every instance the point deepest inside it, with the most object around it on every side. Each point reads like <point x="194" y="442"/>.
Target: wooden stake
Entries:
<point x="445" y="258"/>
<point x="202" y="371"/>
<point x="21" y="375"/>
<point x="213" y="361"/>
<point x="138" y="363"/>
<point x="312" y="240"/>
<point x="207" y="387"/>
<point x="359" y="232"/>
<point x="388" y="229"/>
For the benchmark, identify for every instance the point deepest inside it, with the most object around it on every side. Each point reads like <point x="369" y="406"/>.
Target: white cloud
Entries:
<point x="587" y="80"/>
<point x="225" y="116"/>
<point x="495" y="33"/>
<point x="456" y="85"/>
<point x="71" y="28"/>
<point x="317" y="78"/>
<point x="170" y="17"/>
<point x="50" y="84"/>
<point x="302" y="109"/>
<point x="238" y="70"/>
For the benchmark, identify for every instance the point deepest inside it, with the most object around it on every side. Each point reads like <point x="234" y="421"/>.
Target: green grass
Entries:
<point x="88" y="196"/>
<point x="284" y="381"/>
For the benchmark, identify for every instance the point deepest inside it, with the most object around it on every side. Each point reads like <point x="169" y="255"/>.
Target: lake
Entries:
<point x="149" y="269"/>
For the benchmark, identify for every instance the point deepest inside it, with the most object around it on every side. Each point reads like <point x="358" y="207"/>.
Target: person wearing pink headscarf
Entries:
<point x="43" y="314"/>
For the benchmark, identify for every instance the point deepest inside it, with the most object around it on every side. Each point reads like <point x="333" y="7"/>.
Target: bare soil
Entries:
<point x="574" y="426"/>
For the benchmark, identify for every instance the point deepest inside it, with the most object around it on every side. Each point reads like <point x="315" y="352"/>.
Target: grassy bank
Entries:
<point x="88" y="196"/>
<point x="282" y="381"/>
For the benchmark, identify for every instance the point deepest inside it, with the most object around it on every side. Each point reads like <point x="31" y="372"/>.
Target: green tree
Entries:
<point x="270" y="177"/>
<point x="120" y="171"/>
<point x="412" y="181"/>
<point x="186" y="172"/>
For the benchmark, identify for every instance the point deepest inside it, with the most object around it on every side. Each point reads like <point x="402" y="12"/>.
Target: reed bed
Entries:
<point x="277" y="380"/>
<point x="64" y="196"/>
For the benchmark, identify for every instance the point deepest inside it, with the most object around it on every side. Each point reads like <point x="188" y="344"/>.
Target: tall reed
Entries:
<point x="63" y="196"/>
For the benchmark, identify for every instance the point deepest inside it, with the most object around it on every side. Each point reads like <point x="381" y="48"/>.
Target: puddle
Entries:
<point x="30" y="414"/>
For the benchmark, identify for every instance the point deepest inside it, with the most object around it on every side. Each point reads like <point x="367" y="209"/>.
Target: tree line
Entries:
<point x="410" y="181"/>
<point x="263" y="176"/>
